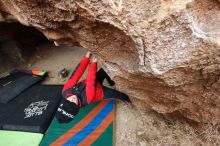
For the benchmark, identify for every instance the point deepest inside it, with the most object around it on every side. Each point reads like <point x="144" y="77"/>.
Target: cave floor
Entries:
<point x="132" y="127"/>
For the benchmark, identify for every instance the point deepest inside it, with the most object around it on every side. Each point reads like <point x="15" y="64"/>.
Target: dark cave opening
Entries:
<point x="18" y="43"/>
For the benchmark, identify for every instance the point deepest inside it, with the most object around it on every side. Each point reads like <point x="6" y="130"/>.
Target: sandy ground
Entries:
<point x="132" y="128"/>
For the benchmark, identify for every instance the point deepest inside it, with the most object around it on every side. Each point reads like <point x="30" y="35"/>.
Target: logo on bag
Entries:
<point x="36" y="109"/>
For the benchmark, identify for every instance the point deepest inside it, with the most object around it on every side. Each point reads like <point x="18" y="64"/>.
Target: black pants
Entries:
<point x="109" y="93"/>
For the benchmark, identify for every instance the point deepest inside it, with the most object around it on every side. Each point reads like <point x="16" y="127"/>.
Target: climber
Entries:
<point x="76" y="95"/>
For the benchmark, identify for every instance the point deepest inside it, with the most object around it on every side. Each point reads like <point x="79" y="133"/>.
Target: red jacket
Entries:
<point x="87" y="90"/>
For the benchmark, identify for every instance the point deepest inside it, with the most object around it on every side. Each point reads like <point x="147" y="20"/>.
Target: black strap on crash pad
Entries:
<point x="14" y="84"/>
<point x="14" y="88"/>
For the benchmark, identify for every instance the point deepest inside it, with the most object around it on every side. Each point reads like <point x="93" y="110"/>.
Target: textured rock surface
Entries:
<point x="165" y="54"/>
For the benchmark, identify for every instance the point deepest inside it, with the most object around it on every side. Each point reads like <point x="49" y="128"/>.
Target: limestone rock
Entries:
<point x="164" y="54"/>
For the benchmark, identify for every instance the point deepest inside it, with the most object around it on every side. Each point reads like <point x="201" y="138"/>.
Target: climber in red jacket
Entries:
<point x="80" y="94"/>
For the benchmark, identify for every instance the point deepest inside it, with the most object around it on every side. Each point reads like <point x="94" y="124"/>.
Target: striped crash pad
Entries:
<point x="17" y="138"/>
<point x="92" y="126"/>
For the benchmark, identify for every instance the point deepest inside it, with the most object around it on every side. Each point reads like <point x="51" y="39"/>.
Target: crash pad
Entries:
<point x="92" y="126"/>
<point x="16" y="138"/>
<point x="33" y="110"/>
<point x="18" y="81"/>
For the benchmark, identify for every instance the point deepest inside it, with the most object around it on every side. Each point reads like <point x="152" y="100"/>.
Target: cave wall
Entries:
<point x="17" y="44"/>
<point x="165" y="54"/>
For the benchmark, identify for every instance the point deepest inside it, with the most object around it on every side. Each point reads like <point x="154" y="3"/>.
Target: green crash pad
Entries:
<point x="92" y="126"/>
<point x="17" y="138"/>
